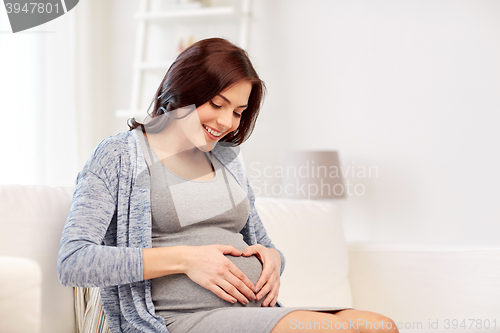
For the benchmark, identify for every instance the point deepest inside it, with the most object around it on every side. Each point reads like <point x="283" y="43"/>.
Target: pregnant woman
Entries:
<point x="163" y="217"/>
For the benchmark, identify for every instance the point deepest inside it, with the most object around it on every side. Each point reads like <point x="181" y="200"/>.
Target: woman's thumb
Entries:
<point x="229" y="249"/>
<point x="247" y="250"/>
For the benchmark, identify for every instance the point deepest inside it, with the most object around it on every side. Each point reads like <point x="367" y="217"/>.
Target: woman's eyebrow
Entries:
<point x="228" y="102"/>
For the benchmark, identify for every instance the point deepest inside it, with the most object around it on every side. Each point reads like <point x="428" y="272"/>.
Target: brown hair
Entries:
<point x="199" y="73"/>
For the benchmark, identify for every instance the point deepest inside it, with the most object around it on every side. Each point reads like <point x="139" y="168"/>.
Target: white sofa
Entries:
<point x="419" y="286"/>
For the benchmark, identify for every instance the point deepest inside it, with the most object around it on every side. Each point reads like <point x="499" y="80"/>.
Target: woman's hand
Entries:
<point x="269" y="281"/>
<point x="207" y="266"/>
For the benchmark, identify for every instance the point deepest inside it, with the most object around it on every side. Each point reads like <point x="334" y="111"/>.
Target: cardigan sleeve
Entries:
<point x="260" y="230"/>
<point x="83" y="260"/>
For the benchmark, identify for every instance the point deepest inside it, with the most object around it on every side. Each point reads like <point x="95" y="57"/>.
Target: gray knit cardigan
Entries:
<point x="109" y="223"/>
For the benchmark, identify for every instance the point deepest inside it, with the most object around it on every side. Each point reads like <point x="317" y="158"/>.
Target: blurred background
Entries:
<point x="407" y="92"/>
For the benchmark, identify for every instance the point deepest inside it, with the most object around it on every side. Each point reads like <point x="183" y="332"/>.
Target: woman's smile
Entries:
<point x="212" y="133"/>
<point x="223" y="111"/>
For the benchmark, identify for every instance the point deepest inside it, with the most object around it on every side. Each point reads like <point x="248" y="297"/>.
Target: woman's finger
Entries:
<point x="241" y="282"/>
<point x="269" y="278"/>
<point x="229" y="249"/>
<point x="273" y="293"/>
<point x="251" y="250"/>
<point x="239" y="274"/>
<point x="230" y="289"/>
<point x="221" y="293"/>
<point x="274" y="300"/>
<point x="267" y="271"/>
<point x="265" y="290"/>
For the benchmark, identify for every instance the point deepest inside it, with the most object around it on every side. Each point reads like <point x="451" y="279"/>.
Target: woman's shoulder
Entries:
<point x="111" y="159"/>
<point x="117" y="144"/>
<point x="230" y="157"/>
<point x="225" y="153"/>
<point x="111" y="150"/>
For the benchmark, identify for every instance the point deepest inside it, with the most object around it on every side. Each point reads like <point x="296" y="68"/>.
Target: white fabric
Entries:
<point x="427" y="282"/>
<point x="311" y="236"/>
<point x="37" y="90"/>
<point x="59" y="88"/>
<point x="32" y="221"/>
<point x="20" y="295"/>
<point x="409" y="283"/>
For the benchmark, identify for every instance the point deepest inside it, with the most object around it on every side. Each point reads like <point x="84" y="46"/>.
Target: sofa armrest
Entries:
<point x="20" y="295"/>
<point x="33" y="218"/>
<point x="422" y="283"/>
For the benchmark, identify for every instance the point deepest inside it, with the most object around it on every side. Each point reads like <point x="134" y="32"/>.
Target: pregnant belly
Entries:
<point x="177" y="293"/>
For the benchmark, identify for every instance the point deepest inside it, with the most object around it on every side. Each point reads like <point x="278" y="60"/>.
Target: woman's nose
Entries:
<point x="225" y="120"/>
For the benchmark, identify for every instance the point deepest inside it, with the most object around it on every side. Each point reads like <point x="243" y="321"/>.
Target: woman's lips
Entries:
<point x="215" y="138"/>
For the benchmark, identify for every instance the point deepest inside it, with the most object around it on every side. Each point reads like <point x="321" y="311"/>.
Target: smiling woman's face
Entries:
<point x="222" y="114"/>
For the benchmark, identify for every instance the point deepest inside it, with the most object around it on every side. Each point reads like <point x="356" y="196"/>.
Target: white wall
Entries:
<point x="410" y="87"/>
<point x="38" y="139"/>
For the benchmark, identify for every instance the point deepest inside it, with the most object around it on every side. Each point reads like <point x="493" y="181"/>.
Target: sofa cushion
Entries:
<point x="32" y="221"/>
<point x="311" y="237"/>
<point x="427" y="286"/>
<point x="20" y="295"/>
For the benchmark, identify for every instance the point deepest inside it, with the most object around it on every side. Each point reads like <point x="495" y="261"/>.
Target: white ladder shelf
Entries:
<point x="144" y="16"/>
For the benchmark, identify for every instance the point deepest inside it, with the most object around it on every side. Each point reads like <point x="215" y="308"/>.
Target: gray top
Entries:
<point x="187" y="212"/>
<point x="109" y="223"/>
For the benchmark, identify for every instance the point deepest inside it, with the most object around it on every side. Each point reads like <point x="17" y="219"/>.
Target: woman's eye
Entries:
<point x="237" y="114"/>
<point x="215" y="105"/>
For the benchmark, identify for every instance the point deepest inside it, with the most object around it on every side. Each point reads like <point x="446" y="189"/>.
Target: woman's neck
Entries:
<point x="170" y="143"/>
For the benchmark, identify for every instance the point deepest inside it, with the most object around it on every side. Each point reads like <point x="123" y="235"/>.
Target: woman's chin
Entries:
<point x="210" y="145"/>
